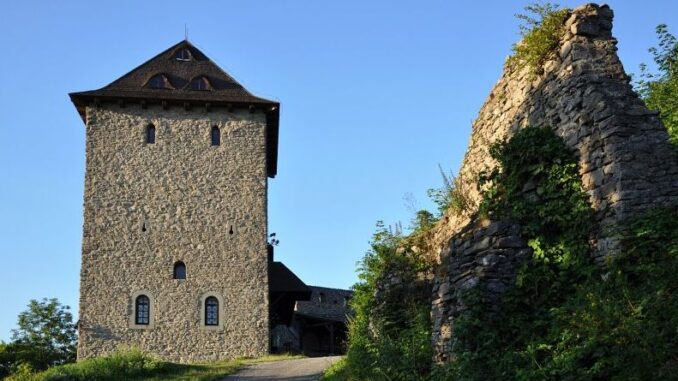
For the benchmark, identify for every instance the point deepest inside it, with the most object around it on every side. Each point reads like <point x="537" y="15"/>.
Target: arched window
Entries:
<point x="211" y="311"/>
<point x="200" y="83"/>
<point x="179" y="270"/>
<point x="216" y="136"/>
<point x="142" y="310"/>
<point x="321" y="297"/>
<point x="150" y="134"/>
<point x="158" y="81"/>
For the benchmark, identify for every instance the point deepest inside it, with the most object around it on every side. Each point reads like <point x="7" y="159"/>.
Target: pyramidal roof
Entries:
<point x="178" y="73"/>
<point x="183" y="75"/>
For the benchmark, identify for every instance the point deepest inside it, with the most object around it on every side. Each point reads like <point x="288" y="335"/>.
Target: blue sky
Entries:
<point x="375" y="94"/>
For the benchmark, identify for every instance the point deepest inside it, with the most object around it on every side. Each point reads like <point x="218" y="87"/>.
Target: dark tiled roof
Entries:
<point x="178" y="72"/>
<point x="332" y="307"/>
<point x="282" y="279"/>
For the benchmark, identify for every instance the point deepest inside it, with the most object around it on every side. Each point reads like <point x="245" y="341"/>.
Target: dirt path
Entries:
<point x="308" y="369"/>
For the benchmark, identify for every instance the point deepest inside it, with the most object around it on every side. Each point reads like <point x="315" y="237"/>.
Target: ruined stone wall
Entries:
<point x="626" y="162"/>
<point x="180" y="199"/>
<point x="485" y="256"/>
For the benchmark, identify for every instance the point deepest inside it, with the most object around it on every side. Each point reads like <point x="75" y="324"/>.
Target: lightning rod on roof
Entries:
<point x="185" y="32"/>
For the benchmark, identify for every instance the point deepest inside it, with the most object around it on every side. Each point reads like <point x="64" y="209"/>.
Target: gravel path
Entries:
<point x="308" y="369"/>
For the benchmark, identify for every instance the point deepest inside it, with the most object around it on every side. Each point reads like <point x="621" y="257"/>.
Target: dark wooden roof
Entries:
<point x="282" y="279"/>
<point x="180" y="67"/>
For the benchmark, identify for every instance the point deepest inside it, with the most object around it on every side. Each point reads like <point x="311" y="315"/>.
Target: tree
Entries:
<point x="660" y="90"/>
<point x="46" y="335"/>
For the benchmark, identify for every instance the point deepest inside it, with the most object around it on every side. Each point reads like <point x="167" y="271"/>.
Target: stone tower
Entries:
<point x="174" y="252"/>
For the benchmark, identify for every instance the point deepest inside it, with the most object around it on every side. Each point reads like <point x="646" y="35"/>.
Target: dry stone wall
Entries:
<point x="180" y="199"/>
<point x="626" y="161"/>
<point x="485" y="257"/>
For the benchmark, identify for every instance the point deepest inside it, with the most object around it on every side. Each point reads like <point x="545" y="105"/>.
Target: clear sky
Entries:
<point x="375" y="94"/>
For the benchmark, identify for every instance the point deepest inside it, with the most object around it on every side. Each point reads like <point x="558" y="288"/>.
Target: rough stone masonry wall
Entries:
<point x="626" y="162"/>
<point x="150" y="205"/>
<point x="485" y="257"/>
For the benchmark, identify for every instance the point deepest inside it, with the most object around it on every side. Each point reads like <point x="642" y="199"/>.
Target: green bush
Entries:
<point x="389" y="334"/>
<point x="337" y="372"/>
<point x="565" y="318"/>
<point x="540" y="33"/>
<point x="660" y="90"/>
<point x="625" y="327"/>
<point x="45" y="336"/>
<point x="133" y="365"/>
<point x="536" y="184"/>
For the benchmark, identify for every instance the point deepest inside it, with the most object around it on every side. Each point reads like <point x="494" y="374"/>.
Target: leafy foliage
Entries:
<point x="337" y="372"/>
<point x="660" y="90"/>
<point x="565" y="318"/>
<point x="389" y="334"/>
<point x="46" y="336"/>
<point x="536" y="184"/>
<point x="541" y="31"/>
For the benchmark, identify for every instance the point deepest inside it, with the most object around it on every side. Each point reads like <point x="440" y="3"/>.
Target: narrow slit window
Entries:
<point x="216" y="136"/>
<point x="142" y="310"/>
<point x="179" y="270"/>
<point x="150" y="134"/>
<point x="211" y="311"/>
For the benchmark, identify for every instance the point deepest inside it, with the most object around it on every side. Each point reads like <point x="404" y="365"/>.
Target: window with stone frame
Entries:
<point x="142" y="310"/>
<point x="211" y="311"/>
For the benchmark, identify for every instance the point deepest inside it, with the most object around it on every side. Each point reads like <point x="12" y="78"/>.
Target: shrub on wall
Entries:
<point x="565" y="318"/>
<point x="390" y="332"/>
<point x="541" y="31"/>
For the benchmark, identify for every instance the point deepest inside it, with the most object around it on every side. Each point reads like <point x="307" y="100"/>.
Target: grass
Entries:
<point x="337" y="372"/>
<point x="133" y="365"/>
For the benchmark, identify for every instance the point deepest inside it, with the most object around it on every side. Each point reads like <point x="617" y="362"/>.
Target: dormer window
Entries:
<point x="183" y="55"/>
<point x="200" y="83"/>
<point x="159" y="81"/>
